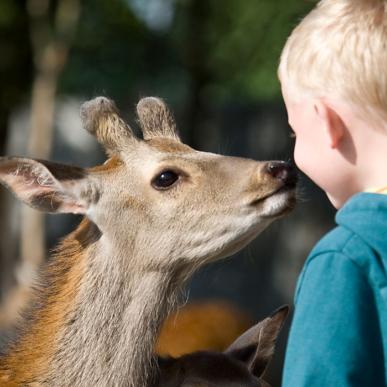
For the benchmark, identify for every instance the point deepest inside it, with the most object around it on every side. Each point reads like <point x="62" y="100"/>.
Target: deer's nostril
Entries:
<point x="283" y="171"/>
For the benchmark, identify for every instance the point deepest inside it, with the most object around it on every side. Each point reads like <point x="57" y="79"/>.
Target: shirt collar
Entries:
<point x="380" y="190"/>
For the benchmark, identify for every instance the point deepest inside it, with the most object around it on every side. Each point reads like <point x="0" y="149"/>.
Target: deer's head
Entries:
<point x="157" y="195"/>
<point x="243" y="364"/>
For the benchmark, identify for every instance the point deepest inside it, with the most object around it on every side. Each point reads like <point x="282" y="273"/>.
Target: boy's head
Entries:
<point x="333" y="72"/>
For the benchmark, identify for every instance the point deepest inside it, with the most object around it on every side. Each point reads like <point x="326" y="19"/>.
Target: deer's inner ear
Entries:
<point x="46" y="186"/>
<point x="256" y="346"/>
<point x="244" y="354"/>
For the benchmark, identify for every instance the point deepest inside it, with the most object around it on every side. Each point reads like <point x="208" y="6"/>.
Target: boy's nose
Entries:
<point x="283" y="171"/>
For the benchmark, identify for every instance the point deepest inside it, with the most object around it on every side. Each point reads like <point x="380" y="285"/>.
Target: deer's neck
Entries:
<point x="100" y="328"/>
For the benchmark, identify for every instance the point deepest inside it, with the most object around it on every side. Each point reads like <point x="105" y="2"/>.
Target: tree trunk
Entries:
<point x="51" y="40"/>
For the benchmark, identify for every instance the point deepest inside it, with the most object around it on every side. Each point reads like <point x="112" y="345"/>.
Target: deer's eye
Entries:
<point x="165" y="180"/>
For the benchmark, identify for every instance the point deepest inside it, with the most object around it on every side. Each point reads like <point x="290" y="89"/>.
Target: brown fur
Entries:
<point x="155" y="119"/>
<point x="242" y="364"/>
<point x="100" y="117"/>
<point x="169" y="146"/>
<point x="109" y="165"/>
<point x="29" y="356"/>
<point x="199" y="326"/>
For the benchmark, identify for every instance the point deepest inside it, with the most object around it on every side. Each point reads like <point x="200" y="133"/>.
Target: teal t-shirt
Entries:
<point x="338" y="336"/>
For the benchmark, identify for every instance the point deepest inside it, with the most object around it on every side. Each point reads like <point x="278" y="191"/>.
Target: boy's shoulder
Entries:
<point x="361" y="231"/>
<point x="361" y="224"/>
<point x="357" y="245"/>
<point x="342" y="244"/>
<point x="341" y="240"/>
<point x="341" y="294"/>
<point x="335" y="241"/>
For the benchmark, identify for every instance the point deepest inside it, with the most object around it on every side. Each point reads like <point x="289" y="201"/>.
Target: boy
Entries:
<point x="333" y="73"/>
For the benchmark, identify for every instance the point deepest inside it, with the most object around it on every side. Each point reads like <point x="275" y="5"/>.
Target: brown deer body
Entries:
<point x="242" y="364"/>
<point x="154" y="212"/>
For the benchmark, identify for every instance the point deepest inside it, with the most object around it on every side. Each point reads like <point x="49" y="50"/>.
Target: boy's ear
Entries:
<point x="256" y="346"/>
<point x="332" y="122"/>
<point x="46" y="186"/>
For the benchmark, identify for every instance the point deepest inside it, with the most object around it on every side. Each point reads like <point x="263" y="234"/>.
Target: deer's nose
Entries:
<point x="283" y="171"/>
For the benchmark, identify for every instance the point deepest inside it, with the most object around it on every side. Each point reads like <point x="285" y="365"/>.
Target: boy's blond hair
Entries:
<point x="340" y="50"/>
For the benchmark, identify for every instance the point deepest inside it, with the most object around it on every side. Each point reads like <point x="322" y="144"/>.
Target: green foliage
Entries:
<point x="227" y="49"/>
<point x="246" y="39"/>
<point x="105" y="52"/>
<point x="8" y="13"/>
<point x="15" y="57"/>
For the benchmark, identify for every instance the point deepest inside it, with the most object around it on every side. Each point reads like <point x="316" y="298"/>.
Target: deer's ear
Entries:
<point x="46" y="186"/>
<point x="256" y="346"/>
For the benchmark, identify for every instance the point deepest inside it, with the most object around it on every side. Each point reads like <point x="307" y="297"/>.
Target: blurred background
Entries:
<point x="215" y="64"/>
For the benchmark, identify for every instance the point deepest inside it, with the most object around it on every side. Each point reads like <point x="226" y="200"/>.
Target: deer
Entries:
<point x="242" y="364"/>
<point x="153" y="213"/>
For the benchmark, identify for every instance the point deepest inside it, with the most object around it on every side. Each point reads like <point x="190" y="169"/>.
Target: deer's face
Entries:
<point x="179" y="203"/>
<point x="186" y="205"/>
<point x="157" y="194"/>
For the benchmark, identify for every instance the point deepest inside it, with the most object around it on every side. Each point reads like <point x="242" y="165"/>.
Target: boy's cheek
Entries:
<point x="312" y="166"/>
<point x="300" y="158"/>
<point x="307" y="162"/>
